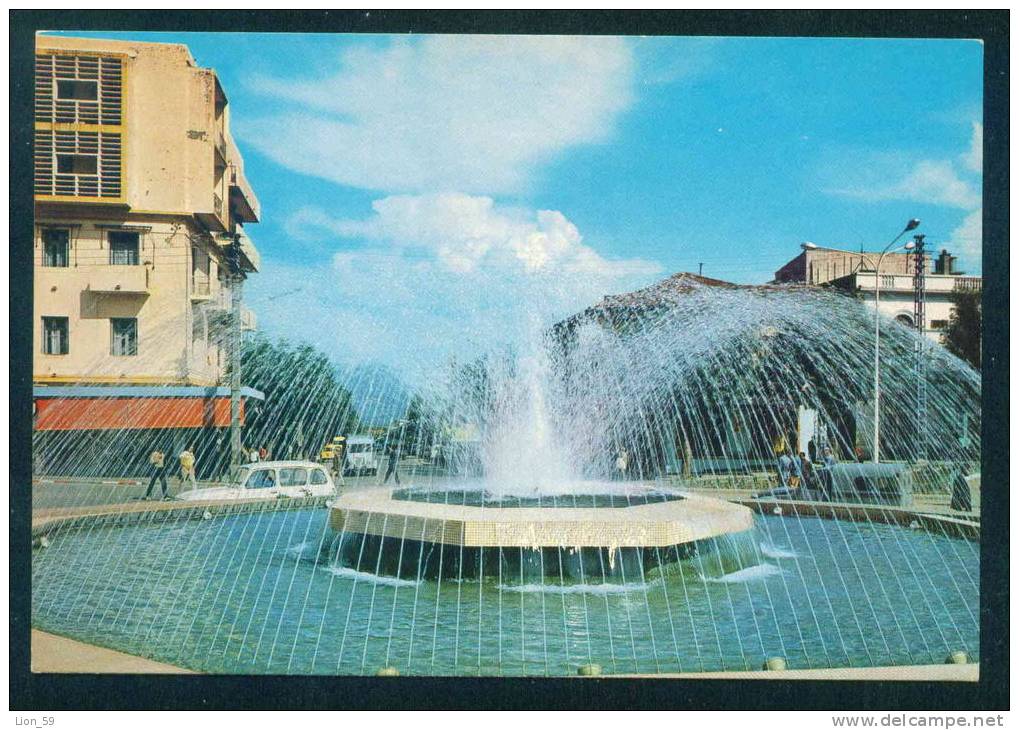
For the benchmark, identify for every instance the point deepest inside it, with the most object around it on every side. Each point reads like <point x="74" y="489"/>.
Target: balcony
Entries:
<point x="201" y="289"/>
<point x="221" y="148"/>
<point x="118" y="280"/>
<point x="243" y="201"/>
<point x="248" y="320"/>
<point x="215" y="215"/>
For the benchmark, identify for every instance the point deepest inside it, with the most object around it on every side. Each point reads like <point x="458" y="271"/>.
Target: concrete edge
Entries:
<point x="908" y="673"/>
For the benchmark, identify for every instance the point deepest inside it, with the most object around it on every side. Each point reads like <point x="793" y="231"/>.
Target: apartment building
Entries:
<point x="140" y="193"/>
<point x="854" y="272"/>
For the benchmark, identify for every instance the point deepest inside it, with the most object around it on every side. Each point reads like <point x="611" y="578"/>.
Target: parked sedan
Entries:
<point x="270" y="480"/>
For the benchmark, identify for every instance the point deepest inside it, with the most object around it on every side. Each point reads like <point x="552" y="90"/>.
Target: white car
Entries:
<point x="270" y="480"/>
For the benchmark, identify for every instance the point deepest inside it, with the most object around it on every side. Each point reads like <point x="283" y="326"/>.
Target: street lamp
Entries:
<point x="808" y="246"/>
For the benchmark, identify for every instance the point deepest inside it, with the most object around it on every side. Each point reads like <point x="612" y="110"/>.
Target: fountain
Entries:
<point x="589" y="501"/>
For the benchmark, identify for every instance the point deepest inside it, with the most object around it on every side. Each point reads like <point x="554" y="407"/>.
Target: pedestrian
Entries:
<point x="263" y="454"/>
<point x="252" y="455"/>
<point x="157" y="460"/>
<point x="622" y="463"/>
<point x="391" y="470"/>
<point x="812" y="450"/>
<point x="795" y="473"/>
<point x="806" y="470"/>
<point x="187" y="467"/>
<point x="962" y="499"/>
<point x="337" y="462"/>
<point x="827" y="473"/>
<point x="859" y="454"/>
<point x="785" y="469"/>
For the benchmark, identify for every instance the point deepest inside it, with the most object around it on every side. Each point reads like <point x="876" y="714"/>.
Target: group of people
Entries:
<point x="801" y="472"/>
<point x="159" y="466"/>
<point x="255" y="455"/>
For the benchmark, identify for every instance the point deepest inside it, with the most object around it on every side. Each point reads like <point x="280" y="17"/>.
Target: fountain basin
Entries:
<point x="676" y="521"/>
<point x="616" y="534"/>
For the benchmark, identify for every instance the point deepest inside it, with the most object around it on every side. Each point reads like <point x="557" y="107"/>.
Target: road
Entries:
<point x="58" y="492"/>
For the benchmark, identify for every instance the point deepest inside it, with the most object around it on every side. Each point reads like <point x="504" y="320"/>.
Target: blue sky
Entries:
<point x="442" y="189"/>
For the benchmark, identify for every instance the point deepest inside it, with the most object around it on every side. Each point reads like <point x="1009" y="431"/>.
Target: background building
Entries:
<point x="139" y="192"/>
<point x="854" y="273"/>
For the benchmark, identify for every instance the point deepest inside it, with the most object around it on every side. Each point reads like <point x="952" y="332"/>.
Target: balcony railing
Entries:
<point x="968" y="284"/>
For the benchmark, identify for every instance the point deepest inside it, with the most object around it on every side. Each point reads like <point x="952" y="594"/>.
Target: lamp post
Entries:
<point x="912" y="225"/>
<point x="233" y="255"/>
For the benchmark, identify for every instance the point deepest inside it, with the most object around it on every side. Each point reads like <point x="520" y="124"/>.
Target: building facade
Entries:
<point x="140" y="194"/>
<point x="854" y="273"/>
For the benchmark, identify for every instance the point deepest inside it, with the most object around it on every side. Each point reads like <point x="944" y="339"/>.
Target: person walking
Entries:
<point x="157" y="460"/>
<point x="785" y="469"/>
<point x="392" y="470"/>
<point x="187" y="468"/>
<point x="263" y="454"/>
<point x="962" y="498"/>
<point x="622" y="464"/>
<point x="252" y="455"/>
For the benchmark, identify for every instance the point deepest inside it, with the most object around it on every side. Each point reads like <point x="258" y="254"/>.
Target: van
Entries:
<point x="361" y="456"/>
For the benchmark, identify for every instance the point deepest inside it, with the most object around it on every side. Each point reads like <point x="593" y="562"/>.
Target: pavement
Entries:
<point x="52" y="654"/>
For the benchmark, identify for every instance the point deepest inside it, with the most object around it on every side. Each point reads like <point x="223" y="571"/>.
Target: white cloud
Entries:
<point x="929" y="181"/>
<point x="967" y="240"/>
<point x="465" y="232"/>
<point x="438" y="275"/>
<point x="973" y="159"/>
<point x="469" y="113"/>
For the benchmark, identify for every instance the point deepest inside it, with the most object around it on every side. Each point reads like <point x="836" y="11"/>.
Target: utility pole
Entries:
<point x="700" y="269"/>
<point x="920" y="320"/>
<point x="236" y="282"/>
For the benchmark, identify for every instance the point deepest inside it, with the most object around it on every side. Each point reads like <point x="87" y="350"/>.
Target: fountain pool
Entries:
<point x="262" y="593"/>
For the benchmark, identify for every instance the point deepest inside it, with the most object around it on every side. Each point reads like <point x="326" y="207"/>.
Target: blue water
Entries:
<point x="249" y="594"/>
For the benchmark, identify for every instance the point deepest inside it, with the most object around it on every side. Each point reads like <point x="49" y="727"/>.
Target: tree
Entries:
<point x="305" y="402"/>
<point x="962" y="336"/>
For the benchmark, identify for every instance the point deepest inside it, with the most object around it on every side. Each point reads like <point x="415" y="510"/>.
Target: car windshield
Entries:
<point x="262" y="479"/>
<point x="242" y="475"/>
<point x="359" y="448"/>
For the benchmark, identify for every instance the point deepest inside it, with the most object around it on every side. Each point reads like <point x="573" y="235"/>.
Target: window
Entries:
<point x="78" y="125"/>
<point x="77" y="164"/>
<point x="54" y="246"/>
<point x="295" y="477"/>
<point x="261" y="479"/>
<point x="55" y="335"/>
<point x="123" y="336"/>
<point x="939" y="324"/>
<point x="77" y="90"/>
<point x="124" y="248"/>
<point x="318" y="477"/>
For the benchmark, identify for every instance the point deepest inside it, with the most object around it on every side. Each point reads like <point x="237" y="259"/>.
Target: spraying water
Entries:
<point x="681" y="387"/>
